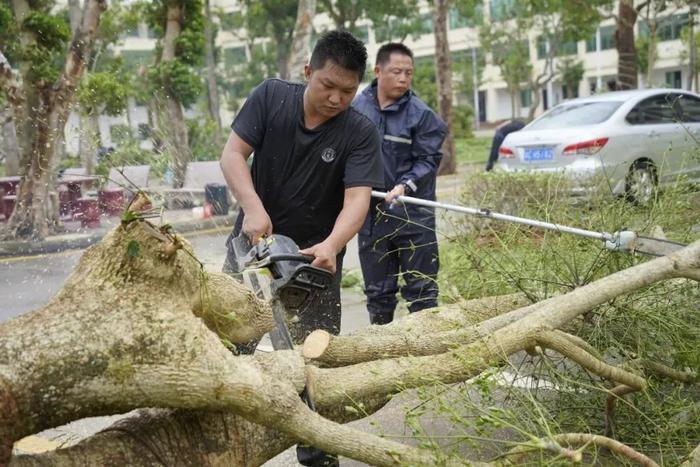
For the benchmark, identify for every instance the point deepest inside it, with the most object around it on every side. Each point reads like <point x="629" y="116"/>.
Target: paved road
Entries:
<point x="28" y="283"/>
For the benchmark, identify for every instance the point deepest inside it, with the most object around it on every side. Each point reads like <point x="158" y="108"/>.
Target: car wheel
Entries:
<point x="641" y="182"/>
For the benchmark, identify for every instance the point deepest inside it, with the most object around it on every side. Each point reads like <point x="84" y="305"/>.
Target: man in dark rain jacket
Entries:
<point x="399" y="239"/>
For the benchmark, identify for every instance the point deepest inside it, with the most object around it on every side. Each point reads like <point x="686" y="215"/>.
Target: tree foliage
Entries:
<point x="346" y="13"/>
<point x="179" y="78"/>
<point x="558" y="23"/>
<point x="103" y="92"/>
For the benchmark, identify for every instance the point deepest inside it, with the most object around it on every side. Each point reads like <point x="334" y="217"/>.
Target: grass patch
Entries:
<point x="473" y="150"/>
<point x="659" y="323"/>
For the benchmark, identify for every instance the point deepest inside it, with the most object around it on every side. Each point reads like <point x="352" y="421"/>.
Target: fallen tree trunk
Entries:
<point x="140" y="324"/>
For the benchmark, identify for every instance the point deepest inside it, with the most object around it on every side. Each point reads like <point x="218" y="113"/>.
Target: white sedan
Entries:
<point x="634" y="139"/>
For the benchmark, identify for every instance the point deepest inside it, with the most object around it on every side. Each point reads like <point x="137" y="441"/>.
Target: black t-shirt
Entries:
<point x="300" y="174"/>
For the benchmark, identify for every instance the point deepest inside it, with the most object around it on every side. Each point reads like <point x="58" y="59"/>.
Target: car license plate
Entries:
<point x="538" y="154"/>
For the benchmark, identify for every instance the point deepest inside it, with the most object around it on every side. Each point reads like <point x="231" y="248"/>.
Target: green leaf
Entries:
<point x="133" y="249"/>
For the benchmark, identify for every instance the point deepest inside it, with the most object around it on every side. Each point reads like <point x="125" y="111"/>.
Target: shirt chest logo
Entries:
<point x="328" y="155"/>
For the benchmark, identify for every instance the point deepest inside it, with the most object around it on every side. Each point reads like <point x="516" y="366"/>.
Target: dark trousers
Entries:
<point x="399" y="248"/>
<point x="498" y="137"/>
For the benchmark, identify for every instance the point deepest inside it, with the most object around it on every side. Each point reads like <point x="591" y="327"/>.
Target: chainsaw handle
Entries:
<point x="290" y="257"/>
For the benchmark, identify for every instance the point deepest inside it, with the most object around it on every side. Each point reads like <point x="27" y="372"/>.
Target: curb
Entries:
<point x="77" y="241"/>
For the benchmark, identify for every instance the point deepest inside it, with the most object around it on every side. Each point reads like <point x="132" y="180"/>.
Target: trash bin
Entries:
<point x="216" y="194"/>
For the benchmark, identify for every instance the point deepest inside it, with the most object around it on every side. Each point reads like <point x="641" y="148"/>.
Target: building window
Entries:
<point x="667" y="29"/>
<point x="525" y="98"/>
<point x="456" y="20"/>
<point x="673" y="79"/>
<point x="567" y="48"/>
<point x="234" y="56"/>
<point x="502" y="10"/>
<point x="426" y="23"/>
<point x="607" y="39"/>
<point x="541" y="48"/>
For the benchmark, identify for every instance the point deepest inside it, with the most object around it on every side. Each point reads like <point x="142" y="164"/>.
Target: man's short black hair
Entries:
<point x="343" y="49"/>
<point x="385" y="51"/>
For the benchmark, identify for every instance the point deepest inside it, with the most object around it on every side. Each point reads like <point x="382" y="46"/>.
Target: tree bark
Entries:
<point x="47" y="110"/>
<point x="140" y="324"/>
<point x="443" y="71"/>
<point x="212" y="88"/>
<point x="176" y="127"/>
<point x="301" y="42"/>
<point x="88" y="142"/>
<point x="10" y="146"/>
<point x="624" y="42"/>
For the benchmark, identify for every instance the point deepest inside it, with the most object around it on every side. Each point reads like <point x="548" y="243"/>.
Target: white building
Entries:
<point x="492" y="101"/>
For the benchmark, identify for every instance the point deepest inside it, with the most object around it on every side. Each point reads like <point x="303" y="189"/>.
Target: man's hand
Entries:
<point x="324" y="254"/>
<point x="398" y="190"/>
<point x="257" y="224"/>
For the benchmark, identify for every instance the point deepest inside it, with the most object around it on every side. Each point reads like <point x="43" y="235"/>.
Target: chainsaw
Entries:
<point x="275" y="270"/>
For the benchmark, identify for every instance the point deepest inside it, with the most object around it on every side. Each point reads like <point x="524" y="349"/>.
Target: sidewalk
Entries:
<point x="77" y="237"/>
<point x="182" y="220"/>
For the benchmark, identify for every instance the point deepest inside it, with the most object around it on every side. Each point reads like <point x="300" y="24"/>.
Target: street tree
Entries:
<point x="9" y="147"/>
<point x="51" y="61"/>
<point x="106" y="84"/>
<point x="346" y="13"/>
<point x="301" y="40"/>
<point x="140" y="324"/>
<point x="100" y="93"/>
<point x="443" y="71"/>
<point x="275" y="21"/>
<point x="210" y="60"/>
<point x="557" y="24"/>
<point x="174" y="78"/>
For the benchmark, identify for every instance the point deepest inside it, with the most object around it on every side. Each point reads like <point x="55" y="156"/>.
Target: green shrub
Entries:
<point x="546" y="394"/>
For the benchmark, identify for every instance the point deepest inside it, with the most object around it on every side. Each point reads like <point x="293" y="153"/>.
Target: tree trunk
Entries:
<point x="535" y="103"/>
<point x="301" y="42"/>
<point x="74" y="14"/>
<point x="176" y="127"/>
<point x="443" y="72"/>
<point x="10" y="146"/>
<point x="651" y="51"/>
<point x="46" y="111"/>
<point x="283" y="60"/>
<point x="89" y="141"/>
<point x="693" y="54"/>
<point x="624" y="42"/>
<point x="139" y="324"/>
<point x="212" y="89"/>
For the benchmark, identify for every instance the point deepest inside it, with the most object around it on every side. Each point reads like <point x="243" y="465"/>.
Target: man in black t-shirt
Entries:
<point x="316" y="161"/>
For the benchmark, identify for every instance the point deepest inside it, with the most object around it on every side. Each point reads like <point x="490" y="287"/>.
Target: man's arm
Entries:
<point x="349" y="221"/>
<point x="425" y="155"/>
<point x="237" y="174"/>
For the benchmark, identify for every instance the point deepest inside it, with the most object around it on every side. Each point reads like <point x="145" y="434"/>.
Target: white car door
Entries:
<point x="661" y="134"/>
<point x="690" y="166"/>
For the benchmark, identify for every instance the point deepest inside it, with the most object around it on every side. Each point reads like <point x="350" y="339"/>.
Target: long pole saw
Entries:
<point x="624" y="240"/>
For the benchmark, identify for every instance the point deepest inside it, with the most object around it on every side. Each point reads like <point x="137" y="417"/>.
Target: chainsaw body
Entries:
<point x="293" y="281"/>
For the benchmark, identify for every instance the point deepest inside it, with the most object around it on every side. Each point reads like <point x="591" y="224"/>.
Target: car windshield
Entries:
<point x="579" y="114"/>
